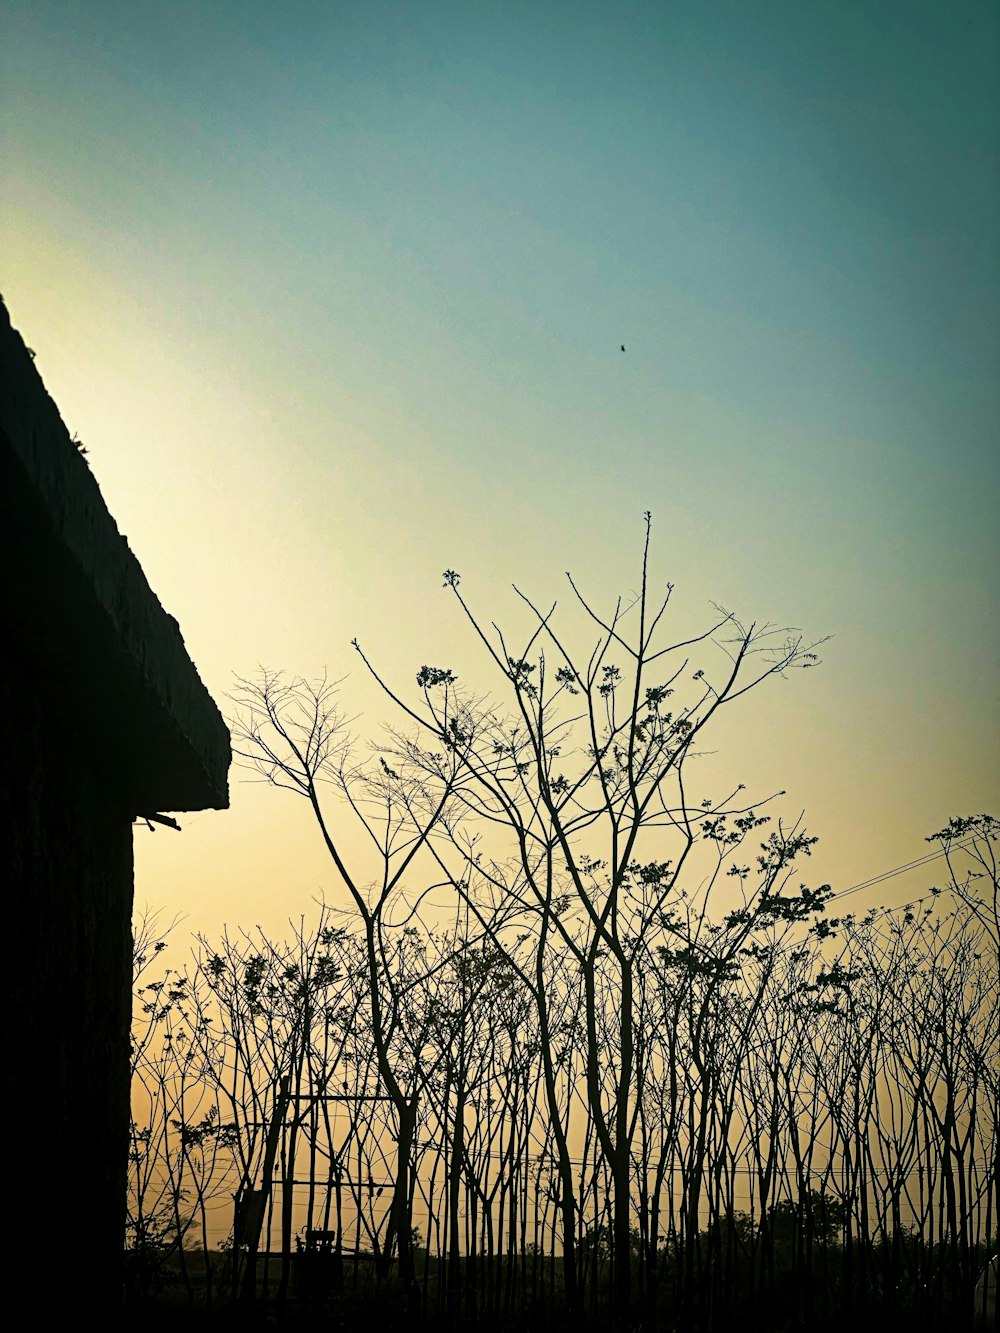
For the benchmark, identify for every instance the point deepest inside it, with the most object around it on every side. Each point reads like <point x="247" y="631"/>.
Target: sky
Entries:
<point x="334" y="294"/>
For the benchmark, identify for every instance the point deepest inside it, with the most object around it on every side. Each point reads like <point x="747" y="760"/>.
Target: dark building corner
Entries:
<point x="105" y="718"/>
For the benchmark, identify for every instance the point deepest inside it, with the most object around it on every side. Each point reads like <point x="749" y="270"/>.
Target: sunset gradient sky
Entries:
<point x="334" y="294"/>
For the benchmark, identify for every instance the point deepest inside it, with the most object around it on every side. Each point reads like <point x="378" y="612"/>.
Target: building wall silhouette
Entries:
<point x="104" y="719"/>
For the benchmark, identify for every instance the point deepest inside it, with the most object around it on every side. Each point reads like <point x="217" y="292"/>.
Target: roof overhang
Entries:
<point x="81" y="612"/>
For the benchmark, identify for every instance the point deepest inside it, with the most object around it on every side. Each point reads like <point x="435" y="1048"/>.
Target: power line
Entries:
<point x="842" y="893"/>
<point x="900" y="870"/>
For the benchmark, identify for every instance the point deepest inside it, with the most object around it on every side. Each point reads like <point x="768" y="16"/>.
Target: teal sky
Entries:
<point x="334" y="293"/>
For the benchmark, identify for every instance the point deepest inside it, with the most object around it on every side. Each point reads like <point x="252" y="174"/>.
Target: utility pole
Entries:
<point x="252" y="1205"/>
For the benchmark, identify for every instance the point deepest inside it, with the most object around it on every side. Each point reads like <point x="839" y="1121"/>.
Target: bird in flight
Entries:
<point x="623" y="347"/>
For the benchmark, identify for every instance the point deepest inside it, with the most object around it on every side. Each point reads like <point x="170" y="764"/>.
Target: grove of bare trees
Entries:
<point x="569" y="1032"/>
